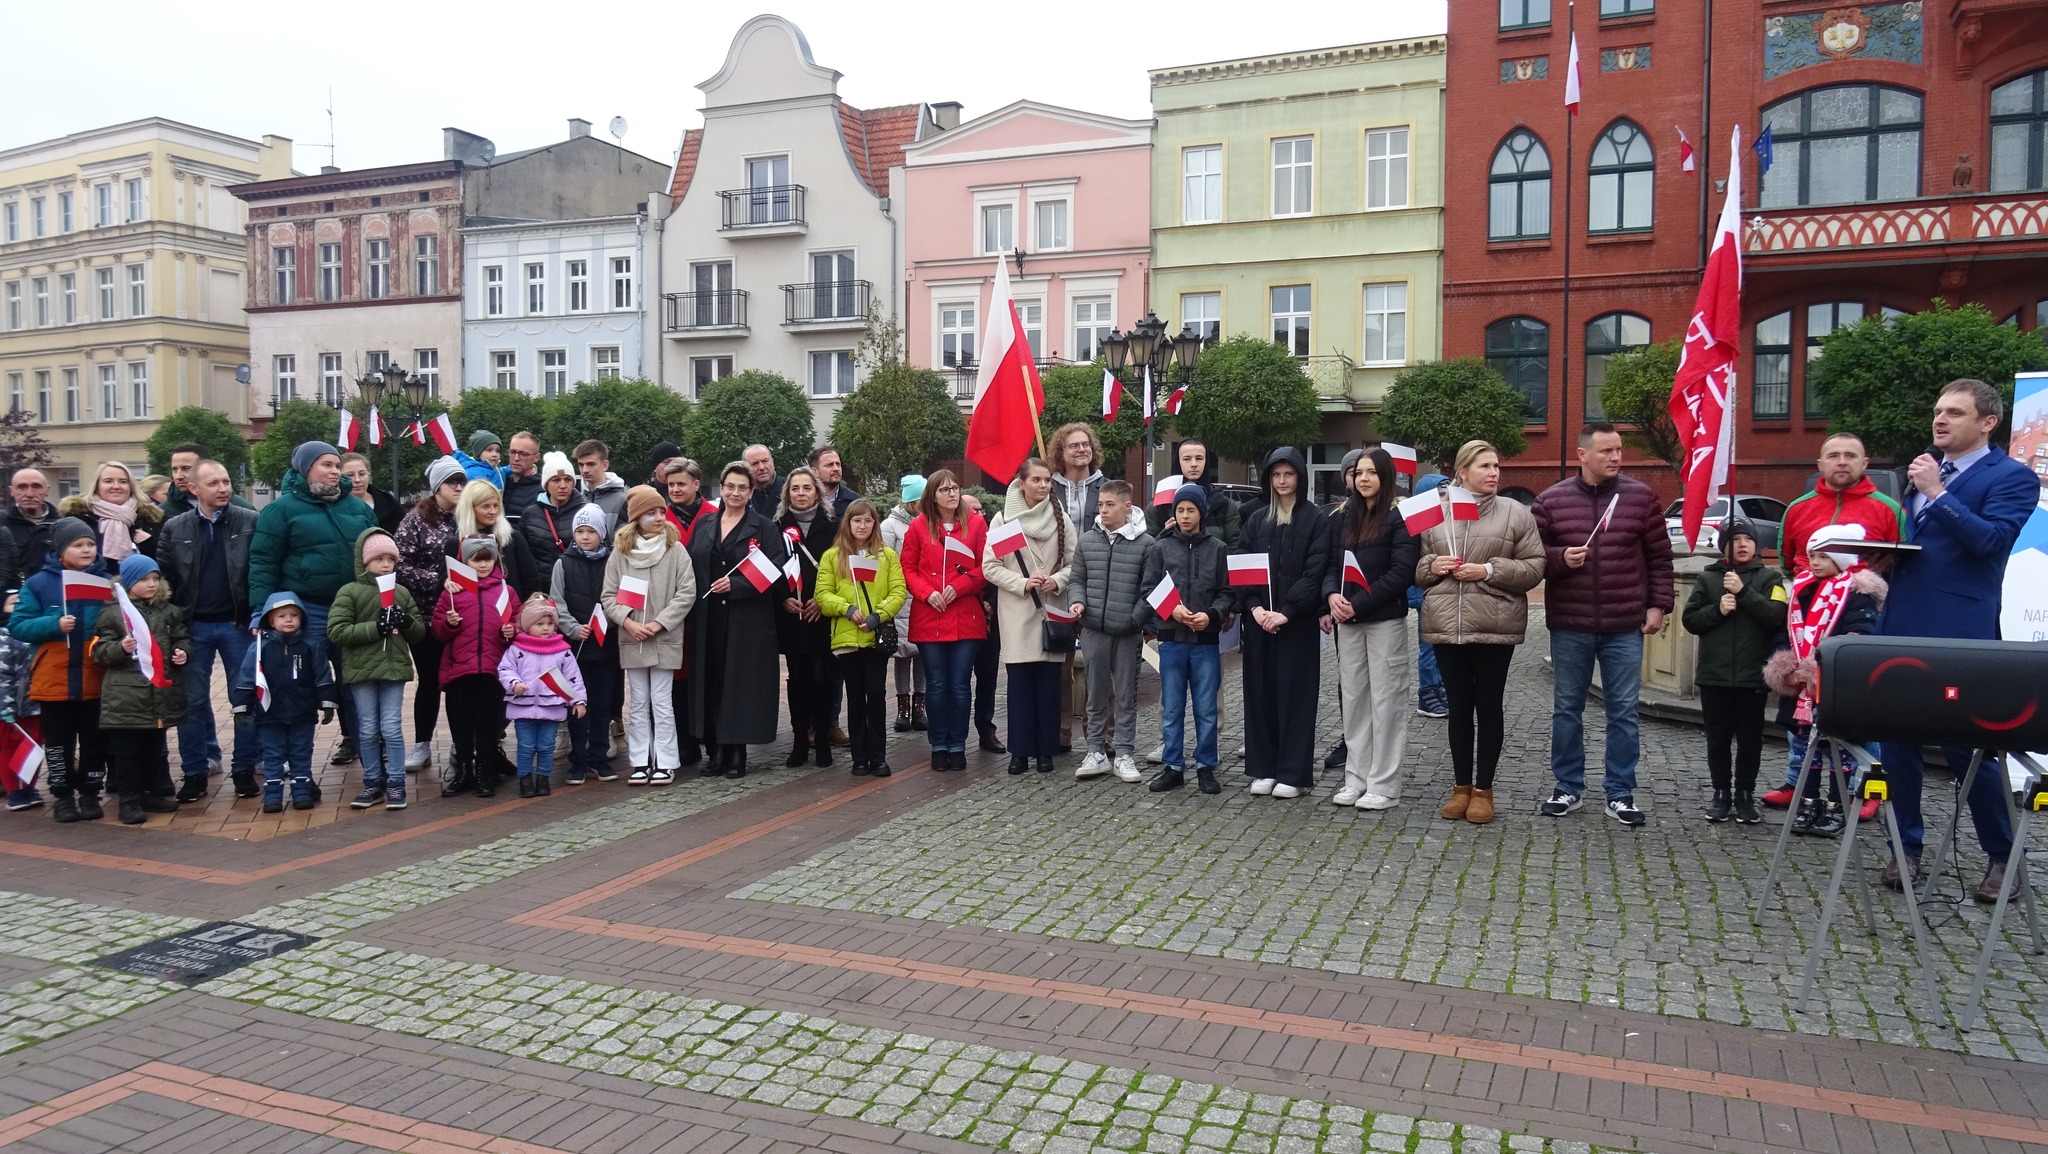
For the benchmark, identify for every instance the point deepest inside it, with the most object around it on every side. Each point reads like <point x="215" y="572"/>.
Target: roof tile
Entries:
<point x="686" y="166"/>
<point x="875" y="138"/>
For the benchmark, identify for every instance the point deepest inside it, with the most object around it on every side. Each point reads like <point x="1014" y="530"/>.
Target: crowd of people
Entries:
<point x="546" y="593"/>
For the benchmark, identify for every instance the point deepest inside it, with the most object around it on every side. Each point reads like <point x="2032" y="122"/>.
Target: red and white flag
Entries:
<point x="1571" y="77"/>
<point x="1422" y="512"/>
<point x="558" y="684"/>
<point x="1703" y="396"/>
<point x="443" y="432"/>
<point x="1175" y="399"/>
<point x="465" y="578"/>
<point x="387" y="590"/>
<point x="81" y="586"/>
<point x="350" y="430"/>
<point x="26" y="762"/>
<point x="1061" y="613"/>
<point x="1006" y="538"/>
<point x="1164" y="598"/>
<point x="956" y="545"/>
<point x="1605" y="518"/>
<point x="1163" y="495"/>
<point x="1464" y="506"/>
<point x="417" y="432"/>
<point x="863" y="568"/>
<point x="599" y="627"/>
<point x="504" y="602"/>
<point x="1112" y="396"/>
<point x="377" y="430"/>
<point x="150" y="657"/>
<point x="1403" y="455"/>
<point x="1249" y="569"/>
<point x="759" y="571"/>
<point x="793" y="572"/>
<point x="1145" y="386"/>
<point x="632" y="592"/>
<point x="1354" y="573"/>
<point x="262" y="682"/>
<point x="1005" y="423"/>
<point x="1685" y="159"/>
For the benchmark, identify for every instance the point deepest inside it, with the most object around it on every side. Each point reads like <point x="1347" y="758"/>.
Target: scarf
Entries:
<point x="554" y="643"/>
<point x="1041" y="521"/>
<point x="326" y="494"/>
<point x="647" y="551"/>
<point x="805" y="517"/>
<point x="1809" y="627"/>
<point x="116" y="541"/>
<point x="597" y="554"/>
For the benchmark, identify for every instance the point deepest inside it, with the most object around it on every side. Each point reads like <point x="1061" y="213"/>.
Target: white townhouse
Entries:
<point x="548" y="305"/>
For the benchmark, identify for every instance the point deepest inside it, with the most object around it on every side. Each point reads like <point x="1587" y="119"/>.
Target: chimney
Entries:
<point x="578" y="128"/>
<point x="946" y="114"/>
<point x="466" y="147"/>
<point x="328" y="170"/>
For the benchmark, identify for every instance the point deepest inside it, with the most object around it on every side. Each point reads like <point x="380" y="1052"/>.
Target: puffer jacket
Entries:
<point x="1297" y="553"/>
<point x="16" y="656"/>
<point x="127" y="698"/>
<point x="303" y="544"/>
<point x="59" y="671"/>
<point x="1734" y="646"/>
<point x="1109" y="569"/>
<point x="1225" y="521"/>
<point x="929" y="567"/>
<point x="424" y="547"/>
<point x="1490" y="612"/>
<point x="355" y="628"/>
<point x="548" y="530"/>
<point x="528" y="658"/>
<point x="878" y="600"/>
<point x="1388" y="559"/>
<point x="1859" y="504"/>
<point x="1628" y="570"/>
<point x="147" y="527"/>
<point x="296" y="668"/>
<point x="1199" y="566"/>
<point x="476" y="645"/>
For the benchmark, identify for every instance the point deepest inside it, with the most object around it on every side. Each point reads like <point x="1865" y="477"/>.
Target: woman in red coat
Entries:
<point x="942" y="566"/>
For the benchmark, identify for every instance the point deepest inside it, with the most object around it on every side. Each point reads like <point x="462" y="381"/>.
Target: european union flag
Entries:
<point x="1763" y="150"/>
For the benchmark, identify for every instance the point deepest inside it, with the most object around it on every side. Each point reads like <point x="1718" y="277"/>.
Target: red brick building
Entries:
<point x="1908" y="164"/>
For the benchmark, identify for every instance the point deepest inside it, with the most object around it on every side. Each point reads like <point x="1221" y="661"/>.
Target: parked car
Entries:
<point x="1767" y="514"/>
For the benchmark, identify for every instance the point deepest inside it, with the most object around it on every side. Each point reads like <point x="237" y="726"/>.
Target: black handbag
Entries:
<point x="886" y="639"/>
<point x="1056" y="636"/>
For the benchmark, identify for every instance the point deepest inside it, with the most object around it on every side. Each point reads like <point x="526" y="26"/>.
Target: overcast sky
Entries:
<point x="516" y="71"/>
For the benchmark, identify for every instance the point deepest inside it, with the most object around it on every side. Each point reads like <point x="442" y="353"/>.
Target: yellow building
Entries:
<point x="122" y="261"/>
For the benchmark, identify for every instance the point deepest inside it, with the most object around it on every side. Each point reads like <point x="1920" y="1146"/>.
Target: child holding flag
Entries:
<point x="577" y="589"/>
<point x="58" y="607"/>
<point x="373" y="625"/>
<point x="1186" y="586"/>
<point x="474" y="620"/>
<point x="1366" y="592"/>
<point x="1737" y="610"/>
<point x="649" y="588"/>
<point x="542" y="687"/>
<point x="286" y="687"/>
<point x="140" y="647"/>
<point x="860" y="588"/>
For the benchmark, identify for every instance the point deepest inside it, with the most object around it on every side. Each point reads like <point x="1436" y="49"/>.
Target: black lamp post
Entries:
<point x="1149" y="351"/>
<point x="393" y="383"/>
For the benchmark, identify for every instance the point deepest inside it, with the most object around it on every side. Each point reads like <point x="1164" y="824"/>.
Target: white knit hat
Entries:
<point x="1828" y="535"/>
<point x="555" y="462"/>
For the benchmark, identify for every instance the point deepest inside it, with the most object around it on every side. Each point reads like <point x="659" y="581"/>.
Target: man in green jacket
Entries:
<point x="306" y="544"/>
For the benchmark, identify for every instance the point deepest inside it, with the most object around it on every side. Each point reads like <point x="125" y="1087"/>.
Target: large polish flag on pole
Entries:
<point x="1005" y="423"/>
<point x="1703" y="396"/>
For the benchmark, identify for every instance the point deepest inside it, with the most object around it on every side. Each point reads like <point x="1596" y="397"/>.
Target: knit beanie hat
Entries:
<point x="537" y="609"/>
<point x="64" y="531"/>
<point x="913" y="488"/>
<point x="479" y="441"/>
<point x="553" y="462"/>
<point x="1193" y="494"/>
<point x="442" y="471"/>
<point x="304" y="456"/>
<point x="134" y="567"/>
<point x="591" y="516"/>
<point x="662" y="453"/>
<point x="642" y="500"/>
<point x="379" y="544"/>
<point x="474" y="547"/>
<point x="1734" y="529"/>
<point x="1828" y="535"/>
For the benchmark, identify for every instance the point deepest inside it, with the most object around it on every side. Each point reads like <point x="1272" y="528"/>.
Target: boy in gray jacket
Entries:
<point x="1109" y="560"/>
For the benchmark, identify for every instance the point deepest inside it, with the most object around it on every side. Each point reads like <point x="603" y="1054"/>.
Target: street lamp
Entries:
<point x="1150" y="352"/>
<point x="394" y="384"/>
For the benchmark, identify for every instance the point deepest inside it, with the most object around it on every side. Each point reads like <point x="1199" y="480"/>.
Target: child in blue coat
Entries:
<point x="297" y="693"/>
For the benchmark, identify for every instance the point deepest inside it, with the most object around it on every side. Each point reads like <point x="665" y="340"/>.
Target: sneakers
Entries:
<point x="1096" y="764"/>
<point x="662" y="777"/>
<point x="1263" y="787"/>
<point x="194" y="788"/>
<point x="24" y="798"/>
<point x="343" y="753"/>
<point x="394" y="792"/>
<point x="638" y="776"/>
<point x="159" y="803"/>
<point x="576" y="776"/>
<point x="1282" y="789"/>
<point x="1377" y="801"/>
<point x="1809" y="812"/>
<point x="1338" y="755"/>
<point x="1157" y="756"/>
<point x="1779" y="798"/>
<point x="419" y="757"/>
<point x="246" y="786"/>
<point x="606" y="773"/>
<point x="373" y="792"/>
<point x="1126" y="769"/>
<point x="1168" y="779"/>
<point x="131" y="809"/>
<point x="1205" y="778"/>
<point x="1346" y="796"/>
<point x="1559" y="803"/>
<point x="1831" y="822"/>
<point x="1623" y="809"/>
<point x="65" y="810"/>
<point x="1433" y="703"/>
<point x="1869" y="811"/>
<point x="1746" y="812"/>
<point x="89" y="807"/>
<point x="526" y="787"/>
<point x="1721" y="808"/>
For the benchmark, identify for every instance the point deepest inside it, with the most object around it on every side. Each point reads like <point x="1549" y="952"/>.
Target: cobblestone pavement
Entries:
<point x="947" y="962"/>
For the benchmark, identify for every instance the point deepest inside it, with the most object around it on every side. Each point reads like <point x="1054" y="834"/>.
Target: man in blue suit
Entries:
<point x="1966" y="510"/>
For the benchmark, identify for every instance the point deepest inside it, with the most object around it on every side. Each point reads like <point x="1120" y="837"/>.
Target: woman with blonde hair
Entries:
<point x="480" y="512"/>
<point x="802" y="632"/>
<point x="122" y="522"/>
<point x="647" y="549"/>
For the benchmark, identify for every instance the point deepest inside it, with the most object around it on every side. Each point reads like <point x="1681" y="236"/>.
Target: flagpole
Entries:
<point x="1562" y="432"/>
<point x="1145" y="410"/>
<point x="1703" y="162"/>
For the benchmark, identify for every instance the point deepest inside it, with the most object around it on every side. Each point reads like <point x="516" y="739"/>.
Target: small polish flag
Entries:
<point x="504" y="601"/>
<point x="1403" y="455"/>
<point x="759" y="571"/>
<point x="350" y="430"/>
<point x="1422" y="512"/>
<point x="417" y="432"/>
<point x="1112" y="396"/>
<point x="262" y="682"/>
<point x="1145" y="379"/>
<point x="1006" y="539"/>
<point x="1249" y="569"/>
<point x="1571" y="77"/>
<point x="864" y="568"/>
<point x="632" y="592"/>
<point x="377" y="429"/>
<point x="558" y="685"/>
<point x="793" y="572"/>
<point x="956" y="545"/>
<point x="1061" y="613"/>
<point x="387" y="590"/>
<point x="1175" y="399"/>
<point x="1354" y="573"/>
<point x="443" y="432"/>
<point x="150" y="657"/>
<point x="599" y="627"/>
<point x="1464" y="506"/>
<point x="1685" y="160"/>
<point x="79" y="586"/>
<point x="1164" y="598"/>
<point x="465" y="578"/>
<point x="1163" y="495"/>
<point x="26" y="762"/>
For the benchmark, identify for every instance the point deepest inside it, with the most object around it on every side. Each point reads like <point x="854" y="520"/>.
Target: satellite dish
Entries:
<point x="618" y="128"/>
<point x="486" y="152"/>
<point x="242" y="374"/>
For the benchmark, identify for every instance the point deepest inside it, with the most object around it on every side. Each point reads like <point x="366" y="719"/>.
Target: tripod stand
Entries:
<point x="2037" y="798"/>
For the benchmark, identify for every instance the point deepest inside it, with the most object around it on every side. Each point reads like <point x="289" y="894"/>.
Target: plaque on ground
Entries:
<point x="203" y="952"/>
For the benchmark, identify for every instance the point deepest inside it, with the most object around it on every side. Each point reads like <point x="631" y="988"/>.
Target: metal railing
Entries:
<point x="726" y="308"/>
<point x="1331" y="374"/>
<point x="766" y="207"/>
<point x="826" y="300"/>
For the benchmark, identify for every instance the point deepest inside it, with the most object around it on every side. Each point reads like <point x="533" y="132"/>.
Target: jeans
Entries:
<point x="197" y="740"/>
<point x="287" y="751"/>
<point x="948" y="696"/>
<point x="536" y="745"/>
<point x="1036" y="699"/>
<point x="589" y="734"/>
<point x="380" y="733"/>
<point x="1185" y="666"/>
<point x="1427" y="676"/>
<point x="1620" y="656"/>
<point x="316" y="624"/>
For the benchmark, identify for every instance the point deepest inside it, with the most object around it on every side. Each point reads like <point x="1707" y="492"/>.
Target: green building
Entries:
<point x="1300" y="196"/>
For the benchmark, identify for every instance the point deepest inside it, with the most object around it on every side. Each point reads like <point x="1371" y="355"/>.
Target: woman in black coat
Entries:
<point x="1368" y="611"/>
<point x="1282" y="658"/>
<point x="802" y="634"/>
<point x="733" y="703"/>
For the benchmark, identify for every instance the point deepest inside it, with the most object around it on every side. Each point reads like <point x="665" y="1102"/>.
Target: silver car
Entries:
<point x="1766" y="514"/>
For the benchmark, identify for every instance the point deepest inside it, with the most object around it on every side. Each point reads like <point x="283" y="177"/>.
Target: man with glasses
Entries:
<point x="522" y="475"/>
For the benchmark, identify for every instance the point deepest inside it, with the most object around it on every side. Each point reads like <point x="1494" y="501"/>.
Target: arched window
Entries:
<point x="1518" y="205"/>
<point x="1607" y="335"/>
<point x="1845" y="145"/>
<point x="2019" y="134"/>
<point x="1621" y="193"/>
<point x="1518" y="348"/>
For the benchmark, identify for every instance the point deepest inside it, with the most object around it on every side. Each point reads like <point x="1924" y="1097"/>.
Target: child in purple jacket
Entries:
<point x="542" y="686"/>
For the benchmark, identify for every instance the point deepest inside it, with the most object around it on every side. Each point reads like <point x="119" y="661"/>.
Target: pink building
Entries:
<point x="1063" y="195"/>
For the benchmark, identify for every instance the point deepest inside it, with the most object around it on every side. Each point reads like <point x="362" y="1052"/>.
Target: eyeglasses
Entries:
<point x="523" y="453"/>
<point x="949" y="488"/>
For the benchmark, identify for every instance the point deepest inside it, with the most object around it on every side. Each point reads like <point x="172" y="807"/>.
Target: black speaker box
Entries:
<point x="1934" y="691"/>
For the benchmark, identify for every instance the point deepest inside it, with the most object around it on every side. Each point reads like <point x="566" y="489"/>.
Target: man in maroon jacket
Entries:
<point x="1608" y="584"/>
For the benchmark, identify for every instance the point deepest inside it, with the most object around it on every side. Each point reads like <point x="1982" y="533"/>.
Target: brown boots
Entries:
<point x="1473" y="805"/>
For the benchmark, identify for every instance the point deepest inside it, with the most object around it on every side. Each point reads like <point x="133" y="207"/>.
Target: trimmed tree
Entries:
<point x="900" y="420"/>
<point x="502" y="411"/>
<point x="1637" y="397"/>
<point x="630" y="417"/>
<point x="202" y="426"/>
<point x="1247" y="397"/>
<point x="1437" y="406"/>
<point x="746" y="408"/>
<point x="1074" y="393"/>
<point x="1880" y="378"/>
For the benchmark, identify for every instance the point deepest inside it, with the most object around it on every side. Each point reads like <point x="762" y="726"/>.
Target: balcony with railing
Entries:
<point x="1331" y="376"/>
<point x="771" y="210"/>
<point x="1990" y="219"/>
<point x="705" y="314"/>
<point x="826" y="304"/>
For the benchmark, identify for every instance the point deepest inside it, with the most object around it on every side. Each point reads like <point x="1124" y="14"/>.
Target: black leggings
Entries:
<point x="1476" y="681"/>
<point x="865" y="674"/>
<point x="1733" y="715"/>
<point x="476" y="716"/>
<point x="74" y="750"/>
<point x="426" y="700"/>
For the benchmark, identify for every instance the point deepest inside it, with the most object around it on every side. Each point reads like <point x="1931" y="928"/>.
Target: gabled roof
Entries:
<point x="875" y="139"/>
<point x="686" y="166"/>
